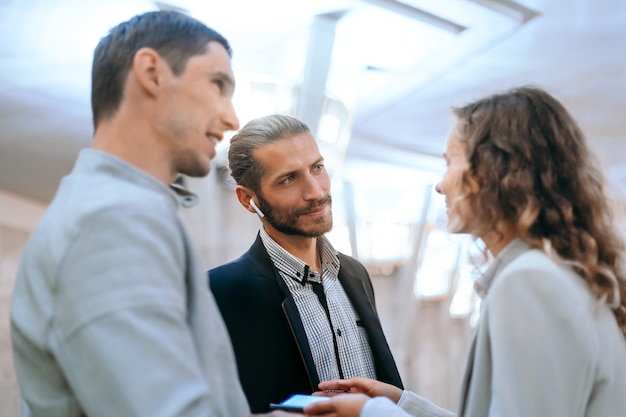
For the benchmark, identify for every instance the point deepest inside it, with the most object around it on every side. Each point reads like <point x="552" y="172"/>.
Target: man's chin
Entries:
<point x="320" y="229"/>
<point x="199" y="170"/>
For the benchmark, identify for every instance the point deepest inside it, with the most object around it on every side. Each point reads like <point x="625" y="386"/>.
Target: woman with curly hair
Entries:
<point x="551" y="340"/>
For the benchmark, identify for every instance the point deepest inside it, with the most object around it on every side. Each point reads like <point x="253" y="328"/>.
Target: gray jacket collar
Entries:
<point x="510" y="252"/>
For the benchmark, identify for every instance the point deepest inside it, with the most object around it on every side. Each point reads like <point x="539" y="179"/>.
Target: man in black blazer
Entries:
<point x="298" y="312"/>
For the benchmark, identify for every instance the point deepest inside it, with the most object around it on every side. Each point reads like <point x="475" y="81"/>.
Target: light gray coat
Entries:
<point x="544" y="346"/>
<point x="111" y="314"/>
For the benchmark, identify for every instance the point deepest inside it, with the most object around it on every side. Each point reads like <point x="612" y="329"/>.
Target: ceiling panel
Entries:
<point x="397" y="74"/>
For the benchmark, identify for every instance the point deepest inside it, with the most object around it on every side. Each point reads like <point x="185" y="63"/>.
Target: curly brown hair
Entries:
<point x="535" y="172"/>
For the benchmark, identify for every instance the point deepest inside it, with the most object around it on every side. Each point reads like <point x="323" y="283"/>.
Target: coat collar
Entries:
<point x="482" y="285"/>
<point x="510" y="252"/>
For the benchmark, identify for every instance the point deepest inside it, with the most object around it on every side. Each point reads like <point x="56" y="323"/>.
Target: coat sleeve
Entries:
<point x="121" y="333"/>
<point x="410" y="404"/>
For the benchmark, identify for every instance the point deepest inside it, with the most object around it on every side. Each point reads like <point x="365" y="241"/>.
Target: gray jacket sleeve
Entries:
<point x="410" y="404"/>
<point x="121" y="333"/>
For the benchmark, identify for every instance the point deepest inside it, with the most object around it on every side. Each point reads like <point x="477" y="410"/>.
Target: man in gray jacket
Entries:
<point x="110" y="313"/>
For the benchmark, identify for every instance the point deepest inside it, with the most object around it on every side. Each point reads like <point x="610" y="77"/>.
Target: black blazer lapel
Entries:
<point x="297" y="328"/>
<point x="261" y="258"/>
<point x="356" y="290"/>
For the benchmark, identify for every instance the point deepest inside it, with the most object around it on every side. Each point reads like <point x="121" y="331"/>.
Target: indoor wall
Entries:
<point x="18" y="217"/>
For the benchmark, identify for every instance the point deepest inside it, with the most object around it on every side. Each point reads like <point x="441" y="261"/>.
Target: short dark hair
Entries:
<point x="257" y="133"/>
<point x="175" y="36"/>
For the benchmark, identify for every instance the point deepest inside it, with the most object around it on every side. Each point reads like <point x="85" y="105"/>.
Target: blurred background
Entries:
<point x="375" y="80"/>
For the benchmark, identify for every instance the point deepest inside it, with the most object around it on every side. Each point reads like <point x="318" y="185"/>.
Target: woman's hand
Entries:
<point x="342" y="405"/>
<point x="369" y="387"/>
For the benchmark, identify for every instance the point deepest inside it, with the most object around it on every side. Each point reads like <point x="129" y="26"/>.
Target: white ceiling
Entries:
<point x="397" y="66"/>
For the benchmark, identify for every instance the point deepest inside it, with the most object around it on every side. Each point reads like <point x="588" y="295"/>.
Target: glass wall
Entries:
<point x="391" y="217"/>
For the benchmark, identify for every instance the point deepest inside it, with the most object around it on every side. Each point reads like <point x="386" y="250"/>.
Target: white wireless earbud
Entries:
<point x="258" y="210"/>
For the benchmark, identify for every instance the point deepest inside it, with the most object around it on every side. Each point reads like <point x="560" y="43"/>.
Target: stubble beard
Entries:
<point x="288" y="222"/>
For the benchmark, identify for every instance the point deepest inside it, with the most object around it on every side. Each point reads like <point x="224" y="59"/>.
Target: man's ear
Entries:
<point x="244" y="195"/>
<point x="147" y="68"/>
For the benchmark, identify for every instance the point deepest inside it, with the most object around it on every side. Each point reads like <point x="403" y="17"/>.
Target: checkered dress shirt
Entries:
<point x="355" y="355"/>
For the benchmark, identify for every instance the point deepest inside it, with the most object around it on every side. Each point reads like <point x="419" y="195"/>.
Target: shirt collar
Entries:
<point x="294" y="267"/>
<point x="510" y="252"/>
<point x="94" y="159"/>
<point x="185" y="197"/>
